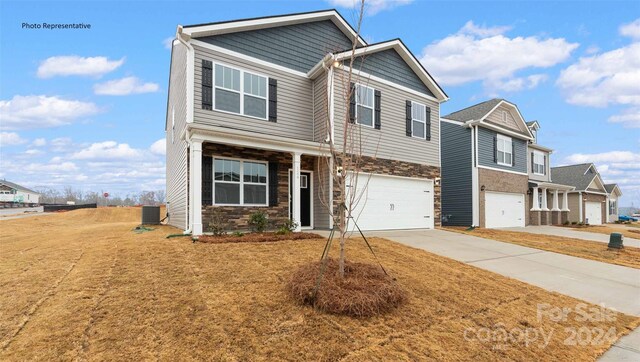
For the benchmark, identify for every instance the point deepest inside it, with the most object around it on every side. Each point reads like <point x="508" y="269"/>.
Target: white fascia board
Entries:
<point x="513" y="106"/>
<point x="458" y="123"/>
<point x="552" y="186"/>
<point x="269" y="22"/>
<point x="541" y="148"/>
<point x="318" y="69"/>
<point x="409" y="59"/>
<point x="501" y="170"/>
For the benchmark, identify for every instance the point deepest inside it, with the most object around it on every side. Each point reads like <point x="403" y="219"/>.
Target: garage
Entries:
<point x="390" y="202"/>
<point x="504" y="210"/>
<point x="593" y="213"/>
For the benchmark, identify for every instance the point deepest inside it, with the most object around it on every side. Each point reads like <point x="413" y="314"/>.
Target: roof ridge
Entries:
<point x="577" y="164"/>
<point x="474" y="105"/>
<point x="265" y="17"/>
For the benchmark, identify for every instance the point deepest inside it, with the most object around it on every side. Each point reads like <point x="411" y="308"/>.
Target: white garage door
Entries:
<point x="394" y="203"/>
<point x="593" y="213"/>
<point x="504" y="210"/>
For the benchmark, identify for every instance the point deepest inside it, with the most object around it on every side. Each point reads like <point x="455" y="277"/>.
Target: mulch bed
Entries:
<point x="256" y="238"/>
<point x="364" y="291"/>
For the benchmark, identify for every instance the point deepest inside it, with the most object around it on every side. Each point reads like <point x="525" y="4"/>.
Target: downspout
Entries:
<point x="580" y="201"/>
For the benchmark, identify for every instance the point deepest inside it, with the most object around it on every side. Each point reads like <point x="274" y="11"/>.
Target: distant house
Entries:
<point x="12" y="194"/>
<point x="588" y="201"/>
<point x="614" y="194"/>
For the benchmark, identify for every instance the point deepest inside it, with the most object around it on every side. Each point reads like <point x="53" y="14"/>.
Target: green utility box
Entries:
<point x="616" y="240"/>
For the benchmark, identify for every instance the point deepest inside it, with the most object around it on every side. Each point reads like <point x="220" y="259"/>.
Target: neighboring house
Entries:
<point x="252" y="102"/>
<point x="493" y="170"/>
<point x="614" y="193"/>
<point x="588" y="200"/>
<point x="12" y="194"/>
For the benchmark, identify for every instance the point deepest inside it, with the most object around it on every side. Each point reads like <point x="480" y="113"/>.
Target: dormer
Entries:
<point x="534" y="126"/>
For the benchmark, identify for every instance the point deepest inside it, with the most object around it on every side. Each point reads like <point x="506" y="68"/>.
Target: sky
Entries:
<point x="86" y="107"/>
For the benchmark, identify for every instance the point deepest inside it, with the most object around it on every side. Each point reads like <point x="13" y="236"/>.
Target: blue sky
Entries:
<point x="573" y="66"/>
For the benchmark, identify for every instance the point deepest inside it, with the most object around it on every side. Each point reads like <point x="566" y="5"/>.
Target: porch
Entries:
<point x="543" y="194"/>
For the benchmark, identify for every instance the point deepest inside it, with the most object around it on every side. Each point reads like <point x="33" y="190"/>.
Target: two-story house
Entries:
<point x="253" y="102"/>
<point x="588" y="199"/>
<point x="494" y="174"/>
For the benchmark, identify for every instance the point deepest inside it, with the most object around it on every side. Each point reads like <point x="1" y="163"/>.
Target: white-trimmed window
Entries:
<point x="613" y="207"/>
<point x="504" y="150"/>
<point x="538" y="163"/>
<point x="418" y="120"/>
<point x="364" y="105"/>
<point x="239" y="182"/>
<point x="240" y="92"/>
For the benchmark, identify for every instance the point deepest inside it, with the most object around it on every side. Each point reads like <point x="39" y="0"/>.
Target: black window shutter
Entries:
<point x="428" y="124"/>
<point x="273" y="100"/>
<point x="544" y="164"/>
<point x="513" y="153"/>
<point x="207" y="84"/>
<point x="533" y="162"/>
<point x="376" y="107"/>
<point x="495" y="149"/>
<point x="352" y="104"/>
<point x="273" y="184"/>
<point x="207" y="180"/>
<point x="408" y="118"/>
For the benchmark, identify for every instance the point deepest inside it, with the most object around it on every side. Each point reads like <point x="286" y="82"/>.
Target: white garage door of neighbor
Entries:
<point x="503" y="210"/>
<point x="593" y="213"/>
<point x="393" y="203"/>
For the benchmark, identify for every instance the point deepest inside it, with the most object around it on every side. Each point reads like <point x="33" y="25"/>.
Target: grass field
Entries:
<point x="82" y="286"/>
<point x="594" y="250"/>
<point x="605" y="229"/>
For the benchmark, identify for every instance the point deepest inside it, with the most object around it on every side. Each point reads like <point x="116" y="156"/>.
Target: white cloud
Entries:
<point x="24" y="112"/>
<point x="372" y="7"/>
<point x="11" y="139"/>
<point x="108" y="150"/>
<point x="592" y="50"/>
<point x="629" y="118"/>
<point x="124" y="86"/>
<point x="39" y="142"/>
<point x="159" y="147"/>
<point x="62" y="144"/>
<point x="32" y="152"/>
<point x="605" y="157"/>
<point x="168" y="42"/>
<point x="517" y="84"/>
<point x="603" y="79"/>
<point x="477" y="53"/>
<point x="631" y="29"/>
<point x="75" y="65"/>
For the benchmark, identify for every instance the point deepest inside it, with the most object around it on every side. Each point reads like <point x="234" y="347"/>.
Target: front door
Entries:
<point x="305" y="198"/>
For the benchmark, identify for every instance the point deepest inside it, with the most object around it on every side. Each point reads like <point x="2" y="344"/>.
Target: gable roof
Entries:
<point x="613" y="187"/>
<point x="232" y="26"/>
<point x="404" y="53"/>
<point x="575" y="175"/>
<point x="17" y="187"/>
<point x="532" y="124"/>
<point x="479" y="112"/>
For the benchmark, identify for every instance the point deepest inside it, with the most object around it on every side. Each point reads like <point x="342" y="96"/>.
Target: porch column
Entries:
<point x="544" y="200"/>
<point x="196" y="184"/>
<point x="555" y="201"/>
<point x="534" y="203"/>
<point x="295" y="185"/>
<point x="565" y="201"/>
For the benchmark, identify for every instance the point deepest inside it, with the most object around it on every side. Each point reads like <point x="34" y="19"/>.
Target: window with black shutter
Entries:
<point x="377" y="96"/>
<point x="273" y="183"/>
<point x="207" y="180"/>
<point x="408" y="118"/>
<point x="273" y="100"/>
<point x="207" y="84"/>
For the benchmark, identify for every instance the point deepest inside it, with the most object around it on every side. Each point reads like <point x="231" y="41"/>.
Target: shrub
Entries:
<point x="573" y="223"/>
<point x="580" y="223"/>
<point x="238" y="234"/>
<point x="218" y="223"/>
<point x="258" y="221"/>
<point x="566" y="223"/>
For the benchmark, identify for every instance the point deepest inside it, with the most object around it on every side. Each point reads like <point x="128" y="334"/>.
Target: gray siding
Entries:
<point x="298" y="47"/>
<point x="321" y="179"/>
<point x="547" y="176"/>
<point x="456" y="175"/>
<point x="389" y="142"/>
<point x="320" y="110"/>
<point x="485" y="152"/>
<point x="176" y="158"/>
<point x="389" y="65"/>
<point x="295" y="101"/>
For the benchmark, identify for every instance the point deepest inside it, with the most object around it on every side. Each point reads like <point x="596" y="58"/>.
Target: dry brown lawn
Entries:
<point x="604" y="229"/>
<point x="82" y="286"/>
<point x="594" y="250"/>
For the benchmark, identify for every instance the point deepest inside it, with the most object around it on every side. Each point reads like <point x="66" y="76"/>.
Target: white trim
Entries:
<point x="268" y="22"/>
<point x="543" y="164"/>
<point x="499" y="169"/>
<point x="330" y="174"/>
<point x="498" y="129"/>
<point x="256" y="61"/>
<point x="289" y="172"/>
<point x="240" y="183"/>
<point x="372" y="108"/>
<point x="240" y="92"/>
<point x="580" y="207"/>
<point x="360" y="73"/>
<point x="475" y="187"/>
<point x="458" y="123"/>
<point x="406" y="55"/>
<point x="190" y="75"/>
<point x="505" y="139"/>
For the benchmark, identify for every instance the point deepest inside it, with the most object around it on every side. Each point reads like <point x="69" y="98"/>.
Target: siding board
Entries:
<point x="456" y="175"/>
<point x="485" y="152"/>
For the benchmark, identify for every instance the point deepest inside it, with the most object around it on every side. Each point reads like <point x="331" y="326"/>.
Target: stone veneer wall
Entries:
<point x="403" y="169"/>
<point x="238" y="216"/>
<point x="502" y="182"/>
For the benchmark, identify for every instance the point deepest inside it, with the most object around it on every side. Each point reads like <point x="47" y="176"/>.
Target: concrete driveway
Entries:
<point x="570" y="233"/>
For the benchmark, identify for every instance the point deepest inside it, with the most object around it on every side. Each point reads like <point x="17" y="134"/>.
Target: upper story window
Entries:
<point x="504" y="150"/>
<point x="538" y="163"/>
<point x="364" y="105"/>
<point x="240" y="92"/>
<point x="418" y="120"/>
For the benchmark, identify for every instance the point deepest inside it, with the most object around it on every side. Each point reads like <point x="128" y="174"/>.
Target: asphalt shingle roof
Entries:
<point x="610" y="187"/>
<point x="573" y="175"/>
<point x="474" y="112"/>
<point x="16" y="186"/>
